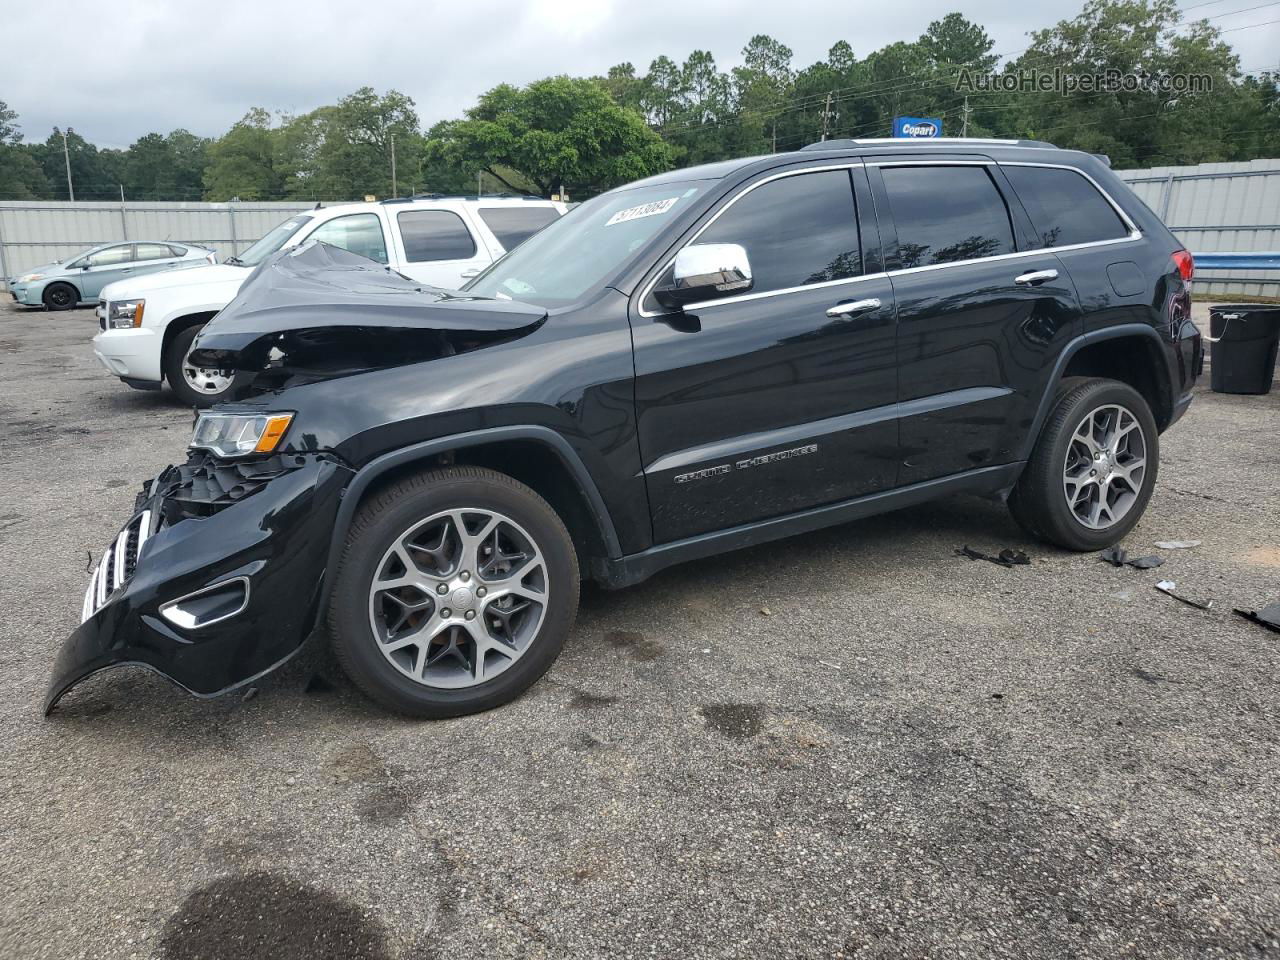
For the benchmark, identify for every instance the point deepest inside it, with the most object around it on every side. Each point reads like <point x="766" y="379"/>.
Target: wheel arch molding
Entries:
<point x="1161" y="386"/>
<point x="428" y="452"/>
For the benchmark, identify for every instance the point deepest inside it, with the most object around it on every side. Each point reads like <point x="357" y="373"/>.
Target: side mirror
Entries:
<point x="705" y="271"/>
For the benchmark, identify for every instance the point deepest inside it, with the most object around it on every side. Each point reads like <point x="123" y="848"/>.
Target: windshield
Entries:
<point x="585" y="247"/>
<point x="269" y="244"/>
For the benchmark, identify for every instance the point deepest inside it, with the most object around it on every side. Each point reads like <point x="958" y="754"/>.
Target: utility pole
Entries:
<point x="964" y="125"/>
<point x="775" y="135"/>
<point x="828" y="115"/>
<point x="395" y="192"/>
<point x="66" y="155"/>
<point x="479" y="191"/>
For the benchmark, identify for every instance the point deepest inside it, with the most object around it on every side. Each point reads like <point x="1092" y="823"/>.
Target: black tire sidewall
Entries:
<point x="376" y="526"/>
<point x="174" y="354"/>
<point x="1059" y="522"/>
<point x="70" y="304"/>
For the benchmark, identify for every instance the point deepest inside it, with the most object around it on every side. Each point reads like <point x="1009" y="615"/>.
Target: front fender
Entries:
<point x="414" y="453"/>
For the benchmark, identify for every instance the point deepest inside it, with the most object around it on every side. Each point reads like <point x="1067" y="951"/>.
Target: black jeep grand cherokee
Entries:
<point x="700" y="361"/>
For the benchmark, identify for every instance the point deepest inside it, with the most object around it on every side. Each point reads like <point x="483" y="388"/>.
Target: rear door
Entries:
<point x="154" y="257"/>
<point x="438" y="246"/>
<point x="783" y="398"/>
<point x="982" y="316"/>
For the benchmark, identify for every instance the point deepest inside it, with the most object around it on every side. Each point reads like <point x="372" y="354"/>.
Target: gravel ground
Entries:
<point x="908" y="755"/>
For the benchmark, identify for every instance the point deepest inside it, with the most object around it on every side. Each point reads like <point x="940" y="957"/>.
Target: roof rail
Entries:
<point x="462" y="196"/>
<point x="945" y="141"/>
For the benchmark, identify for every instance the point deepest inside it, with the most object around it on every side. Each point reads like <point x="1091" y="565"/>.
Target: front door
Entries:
<point x="105" y="266"/>
<point x="765" y="403"/>
<point x="980" y="320"/>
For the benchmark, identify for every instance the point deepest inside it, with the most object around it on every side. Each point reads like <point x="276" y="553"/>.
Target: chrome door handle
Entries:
<point x="1036" y="277"/>
<point x="853" y="306"/>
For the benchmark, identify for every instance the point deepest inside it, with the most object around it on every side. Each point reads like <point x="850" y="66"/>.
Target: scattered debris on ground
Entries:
<point x="1168" y="586"/>
<point x="1005" y="558"/>
<point x="1178" y="544"/>
<point x="1119" y="557"/>
<point x="1268" y="616"/>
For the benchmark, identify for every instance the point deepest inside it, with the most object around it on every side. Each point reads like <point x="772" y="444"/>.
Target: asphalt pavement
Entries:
<point x="850" y="744"/>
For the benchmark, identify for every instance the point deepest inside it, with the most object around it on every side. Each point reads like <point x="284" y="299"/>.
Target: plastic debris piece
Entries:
<point x="1268" y="616"/>
<point x="1168" y="586"/>
<point x="765" y="611"/>
<point x="1145" y="563"/>
<point x="1116" y="556"/>
<point x="1005" y="558"/>
<point x="1178" y="544"/>
<point x="249" y="694"/>
<point x="1119" y="557"/>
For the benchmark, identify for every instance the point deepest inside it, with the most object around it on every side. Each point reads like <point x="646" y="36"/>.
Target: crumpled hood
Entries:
<point x="319" y="311"/>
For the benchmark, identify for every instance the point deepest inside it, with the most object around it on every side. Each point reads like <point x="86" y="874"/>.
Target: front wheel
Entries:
<point x="60" y="296"/>
<point x="454" y="593"/>
<point x="1093" y="469"/>
<point x="195" y="386"/>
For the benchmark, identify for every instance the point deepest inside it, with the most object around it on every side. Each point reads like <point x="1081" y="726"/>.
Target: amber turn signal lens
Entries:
<point x="276" y="426"/>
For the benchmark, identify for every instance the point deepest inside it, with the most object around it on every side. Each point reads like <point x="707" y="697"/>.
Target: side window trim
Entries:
<point x="1135" y="233"/>
<point x="888" y="229"/>
<point x="647" y="289"/>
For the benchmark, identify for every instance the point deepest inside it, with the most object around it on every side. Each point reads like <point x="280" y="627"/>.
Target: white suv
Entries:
<point x="148" y="324"/>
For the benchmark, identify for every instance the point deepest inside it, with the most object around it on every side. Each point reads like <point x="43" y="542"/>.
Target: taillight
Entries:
<point x="1186" y="264"/>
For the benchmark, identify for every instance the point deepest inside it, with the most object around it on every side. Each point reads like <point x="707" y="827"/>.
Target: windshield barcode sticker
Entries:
<point x="644" y="210"/>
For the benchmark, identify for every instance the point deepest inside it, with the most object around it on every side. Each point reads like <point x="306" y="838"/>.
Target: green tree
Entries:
<point x="157" y="167"/>
<point x="1138" y="127"/>
<point x="20" y="175"/>
<point x="246" y="163"/>
<point x="561" y="130"/>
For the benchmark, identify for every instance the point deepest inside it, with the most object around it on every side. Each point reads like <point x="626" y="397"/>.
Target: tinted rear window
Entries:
<point x="1064" y="206"/>
<point x="434" y="235"/>
<point x="947" y="214"/>
<point x="514" y="225"/>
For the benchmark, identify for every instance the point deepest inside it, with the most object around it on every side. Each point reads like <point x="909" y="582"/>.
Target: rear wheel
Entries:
<point x="194" y="385"/>
<point x="60" y="296"/>
<point x="1093" y="469"/>
<point x="454" y="594"/>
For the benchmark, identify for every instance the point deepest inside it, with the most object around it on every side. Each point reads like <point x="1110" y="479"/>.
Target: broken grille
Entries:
<point x="115" y="567"/>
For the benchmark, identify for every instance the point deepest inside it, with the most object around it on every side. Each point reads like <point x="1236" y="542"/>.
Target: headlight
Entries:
<point x="31" y="277"/>
<point x="237" y="434"/>
<point x="125" y="313"/>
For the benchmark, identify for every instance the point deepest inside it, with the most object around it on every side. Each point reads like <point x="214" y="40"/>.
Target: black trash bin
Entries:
<point x="1243" y="339"/>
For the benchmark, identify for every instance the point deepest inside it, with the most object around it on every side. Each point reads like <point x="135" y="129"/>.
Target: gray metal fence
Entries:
<point x="1219" y="207"/>
<point x="35" y="232"/>
<point x="1211" y="207"/>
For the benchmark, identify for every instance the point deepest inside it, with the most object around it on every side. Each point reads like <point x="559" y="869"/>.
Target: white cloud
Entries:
<point x="138" y="66"/>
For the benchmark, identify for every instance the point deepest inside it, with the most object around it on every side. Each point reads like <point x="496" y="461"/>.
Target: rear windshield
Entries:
<point x="514" y="225"/>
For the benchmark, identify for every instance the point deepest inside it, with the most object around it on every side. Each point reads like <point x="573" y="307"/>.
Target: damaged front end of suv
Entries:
<point x="217" y="577"/>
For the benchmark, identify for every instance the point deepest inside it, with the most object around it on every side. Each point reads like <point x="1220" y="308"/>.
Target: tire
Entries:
<point x="364" y="620"/>
<point x="189" y="391"/>
<point x="1075" y="459"/>
<point x="60" y="296"/>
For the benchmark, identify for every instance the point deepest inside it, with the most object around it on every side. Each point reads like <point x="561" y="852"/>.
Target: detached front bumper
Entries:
<point x="215" y="580"/>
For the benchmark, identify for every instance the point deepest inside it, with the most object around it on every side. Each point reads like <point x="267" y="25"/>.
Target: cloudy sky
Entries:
<point x="114" y="71"/>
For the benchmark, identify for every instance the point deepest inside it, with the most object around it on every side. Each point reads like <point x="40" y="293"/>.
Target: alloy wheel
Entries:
<point x="458" y="598"/>
<point x="205" y="379"/>
<point x="1105" y="467"/>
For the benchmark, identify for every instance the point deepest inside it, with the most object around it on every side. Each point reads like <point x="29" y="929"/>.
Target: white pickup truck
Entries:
<point x="147" y="324"/>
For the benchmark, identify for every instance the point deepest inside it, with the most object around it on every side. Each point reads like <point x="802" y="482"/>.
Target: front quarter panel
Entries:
<point x="573" y="374"/>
